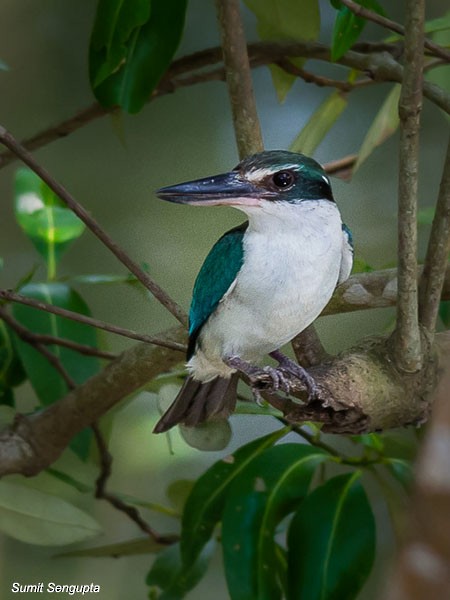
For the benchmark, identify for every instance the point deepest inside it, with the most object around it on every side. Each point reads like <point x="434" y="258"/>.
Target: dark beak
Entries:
<point x="228" y="189"/>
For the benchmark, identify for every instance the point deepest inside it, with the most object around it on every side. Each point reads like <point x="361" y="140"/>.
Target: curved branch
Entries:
<point x="260" y="54"/>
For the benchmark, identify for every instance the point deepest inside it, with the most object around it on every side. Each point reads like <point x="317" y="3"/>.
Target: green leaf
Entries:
<point x="444" y="313"/>
<point x="178" y="492"/>
<point x="34" y="517"/>
<point x="360" y="265"/>
<point x="44" y="218"/>
<point x="270" y="488"/>
<point x="383" y="126"/>
<point x="131" y="47"/>
<point x="402" y="470"/>
<point x="331" y="542"/>
<point x="320" y="123"/>
<point x="348" y="27"/>
<point x="47" y="382"/>
<point x="441" y="75"/>
<point x="286" y="20"/>
<point x="204" y="506"/>
<point x="425" y="215"/>
<point x="174" y="579"/>
<point x="129" y="548"/>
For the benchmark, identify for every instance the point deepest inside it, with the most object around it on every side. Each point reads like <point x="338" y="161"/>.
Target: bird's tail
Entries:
<point x="197" y="402"/>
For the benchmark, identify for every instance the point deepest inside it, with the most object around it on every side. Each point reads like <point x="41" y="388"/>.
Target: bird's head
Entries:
<point x="273" y="176"/>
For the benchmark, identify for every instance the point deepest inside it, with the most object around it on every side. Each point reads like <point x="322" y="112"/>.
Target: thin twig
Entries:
<point x="319" y="80"/>
<point x="433" y="276"/>
<point x="102" y="493"/>
<point x="341" y="167"/>
<point x="239" y="79"/>
<point x="370" y="15"/>
<point x="7" y="139"/>
<point x="11" y="296"/>
<point x="408" y="350"/>
<point x="40" y="338"/>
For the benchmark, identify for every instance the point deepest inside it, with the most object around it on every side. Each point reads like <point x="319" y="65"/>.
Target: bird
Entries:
<point x="262" y="283"/>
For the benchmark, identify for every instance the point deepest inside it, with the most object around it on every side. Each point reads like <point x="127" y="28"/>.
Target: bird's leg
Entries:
<point x="286" y="364"/>
<point x="260" y="377"/>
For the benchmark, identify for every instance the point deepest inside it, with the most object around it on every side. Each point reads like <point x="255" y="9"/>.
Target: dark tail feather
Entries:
<point x="198" y="402"/>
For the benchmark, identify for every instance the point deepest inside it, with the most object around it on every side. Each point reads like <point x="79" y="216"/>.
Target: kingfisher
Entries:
<point x="262" y="283"/>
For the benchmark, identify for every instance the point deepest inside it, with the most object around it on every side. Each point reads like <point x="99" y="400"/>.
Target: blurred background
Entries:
<point x="113" y="167"/>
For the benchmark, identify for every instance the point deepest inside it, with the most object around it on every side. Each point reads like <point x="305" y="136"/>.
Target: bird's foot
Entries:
<point x="261" y="378"/>
<point x="289" y="366"/>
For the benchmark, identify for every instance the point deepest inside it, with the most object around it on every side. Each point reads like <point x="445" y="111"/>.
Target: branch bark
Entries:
<point x="408" y="351"/>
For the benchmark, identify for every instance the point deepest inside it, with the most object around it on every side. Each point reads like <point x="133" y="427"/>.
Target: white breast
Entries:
<point x="292" y="260"/>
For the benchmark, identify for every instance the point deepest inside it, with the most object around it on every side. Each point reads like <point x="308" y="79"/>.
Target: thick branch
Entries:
<point x="408" y="352"/>
<point x="239" y="78"/>
<point x="34" y="441"/>
<point x="10" y="142"/>
<point x="438" y="250"/>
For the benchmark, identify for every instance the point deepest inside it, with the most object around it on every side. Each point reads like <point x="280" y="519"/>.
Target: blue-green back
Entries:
<point x="215" y="277"/>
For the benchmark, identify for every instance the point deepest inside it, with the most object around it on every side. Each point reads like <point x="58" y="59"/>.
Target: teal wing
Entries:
<point x="215" y="277"/>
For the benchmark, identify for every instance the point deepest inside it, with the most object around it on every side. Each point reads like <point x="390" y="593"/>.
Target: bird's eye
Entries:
<point x="283" y="179"/>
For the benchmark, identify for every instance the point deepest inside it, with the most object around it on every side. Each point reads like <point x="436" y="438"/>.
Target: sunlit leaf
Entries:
<point x="47" y="382"/>
<point x="34" y="517"/>
<point x="348" y="27"/>
<point x="320" y="123"/>
<point x="266" y="491"/>
<point x="204" y="506"/>
<point x="286" y="20"/>
<point x="44" y="218"/>
<point x="360" y="265"/>
<point x="425" y="215"/>
<point x="383" y="126"/>
<point x="172" y="578"/>
<point x="331" y="542"/>
<point x="132" y="44"/>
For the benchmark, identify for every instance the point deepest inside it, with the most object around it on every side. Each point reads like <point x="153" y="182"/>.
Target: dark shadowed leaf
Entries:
<point x="265" y="492"/>
<point x="11" y="369"/>
<point x="286" y="20"/>
<point x="331" y="542"/>
<point x="402" y="470"/>
<point x="320" y="123"/>
<point x="204" y="506"/>
<point x="444" y="312"/>
<point x="44" y="217"/>
<point x="47" y="382"/>
<point x="132" y="44"/>
<point x="174" y="579"/>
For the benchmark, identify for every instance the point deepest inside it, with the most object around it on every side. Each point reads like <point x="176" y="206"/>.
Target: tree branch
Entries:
<point x="39" y="338"/>
<point x="247" y="128"/>
<point x="7" y="139"/>
<point x="408" y="352"/>
<point x="370" y="15"/>
<point x="11" y="296"/>
<point x="260" y="54"/>
<point x="433" y="275"/>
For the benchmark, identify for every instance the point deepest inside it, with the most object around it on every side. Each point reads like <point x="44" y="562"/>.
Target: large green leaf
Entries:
<point x="47" y="382"/>
<point x="132" y="44"/>
<point x="383" y="126"/>
<point x="44" y="217"/>
<point x="204" y="505"/>
<point x="260" y="497"/>
<point x="320" y="123"/>
<point x="34" y="517"/>
<point x="286" y="20"/>
<point x="348" y="27"/>
<point x="331" y="542"/>
<point x="174" y="579"/>
<point x="11" y="370"/>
